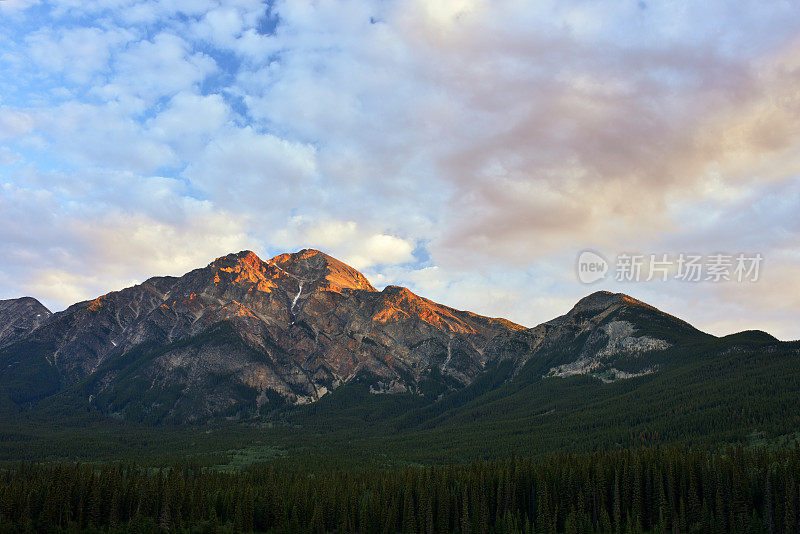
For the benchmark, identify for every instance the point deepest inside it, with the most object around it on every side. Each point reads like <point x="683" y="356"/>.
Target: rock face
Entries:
<point x="607" y="335"/>
<point x="20" y="317"/>
<point x="243" y="335"/>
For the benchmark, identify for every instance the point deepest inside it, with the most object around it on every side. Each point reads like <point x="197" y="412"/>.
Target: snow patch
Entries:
<point x="294" y="301"/>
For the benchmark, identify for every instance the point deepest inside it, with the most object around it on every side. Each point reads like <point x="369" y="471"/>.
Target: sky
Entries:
<point x="469" y="150"/>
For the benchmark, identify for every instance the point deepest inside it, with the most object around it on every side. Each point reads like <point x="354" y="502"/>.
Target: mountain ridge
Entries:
<point x="289" y="329"/>
<point x="243" y="337"/>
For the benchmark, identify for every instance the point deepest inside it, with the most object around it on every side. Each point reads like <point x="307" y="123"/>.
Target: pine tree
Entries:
<point x="604" y="522"/>
<point x="427" y="510"/>
<point x="571" y="523"/>
<point x="483" y="515"/>
<point x="720" y="500"/>
<point x="93" y="504"/>
<point x="443" y="509"/>
<point x="617" y="517"/>
<point x="466" y="521"/>
<point x="317" y="523"/>
<point x="409" y="517"/>
<point x="790" y="506"/>
<point x="768" y="523"/>
<point x="165" y="518"/>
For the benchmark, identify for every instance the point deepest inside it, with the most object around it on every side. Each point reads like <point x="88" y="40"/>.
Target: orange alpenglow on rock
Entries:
<point x="310" y="265"/>
<point x="97" y="303"/>
<point x="400" y="303"/>
<point x="248" y="267"/>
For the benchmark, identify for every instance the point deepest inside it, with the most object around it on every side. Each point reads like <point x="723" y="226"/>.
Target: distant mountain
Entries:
<point x="20" y="317"/>
<point x="243" y="335"/>
<point x="606" y="335"/>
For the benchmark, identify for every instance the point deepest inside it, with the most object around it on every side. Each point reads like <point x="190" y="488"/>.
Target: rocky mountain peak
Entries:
<point x="19" y="317"/>
<point x="398" y="292"/>
<point x="602" y="300"/>
<point x="243" y="268"/>
<point x="314" y="269"/>
<point x="319" y="271"/>
<point x="27" y="306"/>
<point x="246" y="259"/>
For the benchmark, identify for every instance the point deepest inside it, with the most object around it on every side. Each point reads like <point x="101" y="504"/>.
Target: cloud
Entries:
<point x="356" y="245"/>
<point x="78" y="53"/>
<point x="62" y="251"/>
<point x="11" y="7"/>
<point x="163" y="247"/>
<point x="466" y="148"/>
<point x="162" y="66"/>
<point x="227" y="25"/>
<point x="145" y="12"/>
<point x="244" y="169"/>
<point x="8" y="156"/>
<point x="14" y="123"/>
<point x="189" y="122"/>
<point x="101" y="134"/>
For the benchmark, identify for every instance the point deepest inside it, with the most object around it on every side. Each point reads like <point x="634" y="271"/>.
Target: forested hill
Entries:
<point x="737" y="390"/>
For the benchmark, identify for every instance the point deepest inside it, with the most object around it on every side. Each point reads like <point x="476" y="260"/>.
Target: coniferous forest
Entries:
<point x="647" y="490"/>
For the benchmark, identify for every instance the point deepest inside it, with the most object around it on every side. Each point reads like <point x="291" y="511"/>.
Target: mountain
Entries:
<point x="243" y="335"/>
<point x="19" y="317"/>
<point x="606" y="335"/>
<point x="302" y="352"/>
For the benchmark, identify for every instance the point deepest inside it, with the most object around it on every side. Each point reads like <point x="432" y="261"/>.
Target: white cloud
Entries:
<point x="162" y="247"/>
<point x="78" y="53"/>
<point x="189" y="122"/>
<point x="162" y="66"/>
<point x="356" y="245"/>
<point x="66" y="251"/>
<point x="499" y="137"/>
<point x="14" y="123"/>
<point x="11" y="7"/>
<point x="131" y="11"/>
<point x="226" y="25"/>
<point x="244" y="169"/>
<point x="8" y="156"/>
<point x="88" y="135"/>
